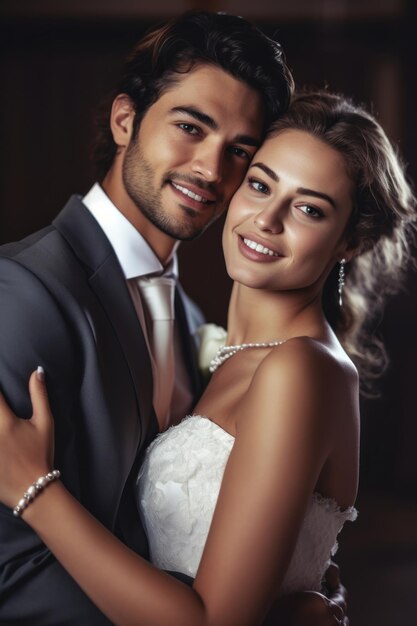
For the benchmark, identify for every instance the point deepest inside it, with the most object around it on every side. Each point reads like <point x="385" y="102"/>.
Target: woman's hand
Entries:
<point x="26" y="446"/>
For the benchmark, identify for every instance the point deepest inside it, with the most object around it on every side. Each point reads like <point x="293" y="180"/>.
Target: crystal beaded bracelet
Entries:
<point x="34" y="490"/>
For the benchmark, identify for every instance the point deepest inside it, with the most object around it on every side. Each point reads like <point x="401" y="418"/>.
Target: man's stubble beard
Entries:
<point x="139" y="181"/>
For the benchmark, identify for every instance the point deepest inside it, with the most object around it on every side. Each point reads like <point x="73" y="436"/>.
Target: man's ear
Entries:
<point x="121" y="120"/>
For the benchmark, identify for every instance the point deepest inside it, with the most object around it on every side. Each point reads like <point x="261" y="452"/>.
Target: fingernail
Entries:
<point x="40" y="373"/>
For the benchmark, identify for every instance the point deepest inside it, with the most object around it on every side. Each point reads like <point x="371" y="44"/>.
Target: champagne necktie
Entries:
<point x="158" y="299"/>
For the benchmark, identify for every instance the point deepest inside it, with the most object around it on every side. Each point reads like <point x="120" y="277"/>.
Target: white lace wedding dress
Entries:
<point x="177" y="490"/>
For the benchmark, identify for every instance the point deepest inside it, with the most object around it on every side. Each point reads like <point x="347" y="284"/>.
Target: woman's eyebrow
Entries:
<point x="303" y="190"/>
<point x="267" y="170"/>
<point x="317" y="194"/>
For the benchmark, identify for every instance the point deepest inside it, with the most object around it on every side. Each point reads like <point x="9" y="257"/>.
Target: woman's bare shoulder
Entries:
<point x="304" y="377"/>
<point x="305" y="355"/>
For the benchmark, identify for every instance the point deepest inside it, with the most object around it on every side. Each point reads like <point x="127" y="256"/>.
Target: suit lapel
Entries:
<point x="107" y="281"/>
<point x="114" y="295"/>
<point x="188" y="326"/>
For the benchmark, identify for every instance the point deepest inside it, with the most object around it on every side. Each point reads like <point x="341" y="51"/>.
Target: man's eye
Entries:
<point x="189" y="128"/>
<point x="239" y="152"/>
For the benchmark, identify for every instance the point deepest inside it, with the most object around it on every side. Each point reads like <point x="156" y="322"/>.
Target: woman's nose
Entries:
<point x="270" y="221"/>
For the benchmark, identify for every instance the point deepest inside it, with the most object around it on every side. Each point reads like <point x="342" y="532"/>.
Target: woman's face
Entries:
<point x="286" y="223"/>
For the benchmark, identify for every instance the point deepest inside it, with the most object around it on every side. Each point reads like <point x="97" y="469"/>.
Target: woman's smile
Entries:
<point x="252" y="248"/>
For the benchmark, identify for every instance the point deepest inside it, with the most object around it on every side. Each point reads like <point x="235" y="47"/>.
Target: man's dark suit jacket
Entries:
<point x="65" y="305"/>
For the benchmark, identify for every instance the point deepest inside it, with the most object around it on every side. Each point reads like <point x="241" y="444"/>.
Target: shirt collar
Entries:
<point x="134" y="254"/>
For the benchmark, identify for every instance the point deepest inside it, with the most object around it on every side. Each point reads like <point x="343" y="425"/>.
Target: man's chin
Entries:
<point x="184" y="233"/>
<point x="185" y="229"/>
<point x="180" y="222"/>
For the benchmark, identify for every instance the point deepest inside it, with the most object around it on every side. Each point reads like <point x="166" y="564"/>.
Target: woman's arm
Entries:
<point x="280" y="447"/>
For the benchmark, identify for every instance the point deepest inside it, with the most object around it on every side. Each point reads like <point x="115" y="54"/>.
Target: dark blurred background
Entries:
<point x="58" y="59"/>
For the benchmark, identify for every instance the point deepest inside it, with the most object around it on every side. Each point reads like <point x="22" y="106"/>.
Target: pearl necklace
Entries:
<point x="225" y="352"/>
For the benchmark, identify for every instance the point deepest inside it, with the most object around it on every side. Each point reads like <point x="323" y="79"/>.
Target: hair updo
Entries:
<point x="381" y="228"/>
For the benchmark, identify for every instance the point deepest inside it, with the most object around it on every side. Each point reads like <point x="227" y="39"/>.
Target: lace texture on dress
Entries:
<point x="177" y="491"/>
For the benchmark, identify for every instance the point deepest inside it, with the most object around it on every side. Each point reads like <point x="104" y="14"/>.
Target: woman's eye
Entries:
<point x="188" y="128"/>
<point x="310" y="210"/>
<point x="258" y="186"/>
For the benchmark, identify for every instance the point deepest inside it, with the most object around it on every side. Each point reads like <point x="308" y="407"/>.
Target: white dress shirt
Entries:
<point x="137" y="259"/>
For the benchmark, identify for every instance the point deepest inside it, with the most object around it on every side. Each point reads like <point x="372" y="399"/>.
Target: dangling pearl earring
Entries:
<point x="341" y="280"/>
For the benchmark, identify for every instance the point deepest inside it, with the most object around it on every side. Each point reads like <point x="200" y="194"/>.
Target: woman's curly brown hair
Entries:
<point x="381" y="229"/>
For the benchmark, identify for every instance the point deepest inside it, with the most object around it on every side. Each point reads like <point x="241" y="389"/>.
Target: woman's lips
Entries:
<point x="257" y="251"/>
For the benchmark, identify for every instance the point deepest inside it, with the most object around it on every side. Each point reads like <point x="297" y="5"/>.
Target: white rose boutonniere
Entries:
<point x="212" y="337"/>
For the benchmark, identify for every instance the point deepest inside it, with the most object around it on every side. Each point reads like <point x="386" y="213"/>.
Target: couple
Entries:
<point x="264" y="473"/>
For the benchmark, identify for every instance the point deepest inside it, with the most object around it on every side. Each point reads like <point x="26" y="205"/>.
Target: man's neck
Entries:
<point x="163" y="246"/>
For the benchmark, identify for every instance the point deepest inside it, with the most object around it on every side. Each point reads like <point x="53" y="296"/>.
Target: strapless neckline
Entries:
<point x="327" y="502"/>
<point x="177" y="489"/>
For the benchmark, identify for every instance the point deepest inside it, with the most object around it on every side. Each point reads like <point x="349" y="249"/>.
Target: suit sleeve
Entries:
<point x="34" y="588"/>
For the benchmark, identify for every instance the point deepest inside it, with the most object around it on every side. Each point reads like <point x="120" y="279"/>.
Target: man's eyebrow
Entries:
<point x="317" y="194"/>
<point x="197" y="115"/>
<point x="247" y="140"/>
<point x="207" y="120"/>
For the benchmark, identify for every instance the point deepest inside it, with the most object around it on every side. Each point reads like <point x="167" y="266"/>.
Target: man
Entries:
<point x="190" y="110"/>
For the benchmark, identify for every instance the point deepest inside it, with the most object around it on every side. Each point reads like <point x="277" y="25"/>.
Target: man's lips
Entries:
<point x="256" y="250"/>
<point x="192" y="192"/>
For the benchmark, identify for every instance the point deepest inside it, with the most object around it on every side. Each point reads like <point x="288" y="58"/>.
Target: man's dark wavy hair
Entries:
<point x="224" y="41"/>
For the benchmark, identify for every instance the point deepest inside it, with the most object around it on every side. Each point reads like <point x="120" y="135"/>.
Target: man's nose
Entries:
<point x="208" y="162"/>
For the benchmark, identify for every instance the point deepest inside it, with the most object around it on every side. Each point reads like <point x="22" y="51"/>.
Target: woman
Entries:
<point x="273" y="445"/>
